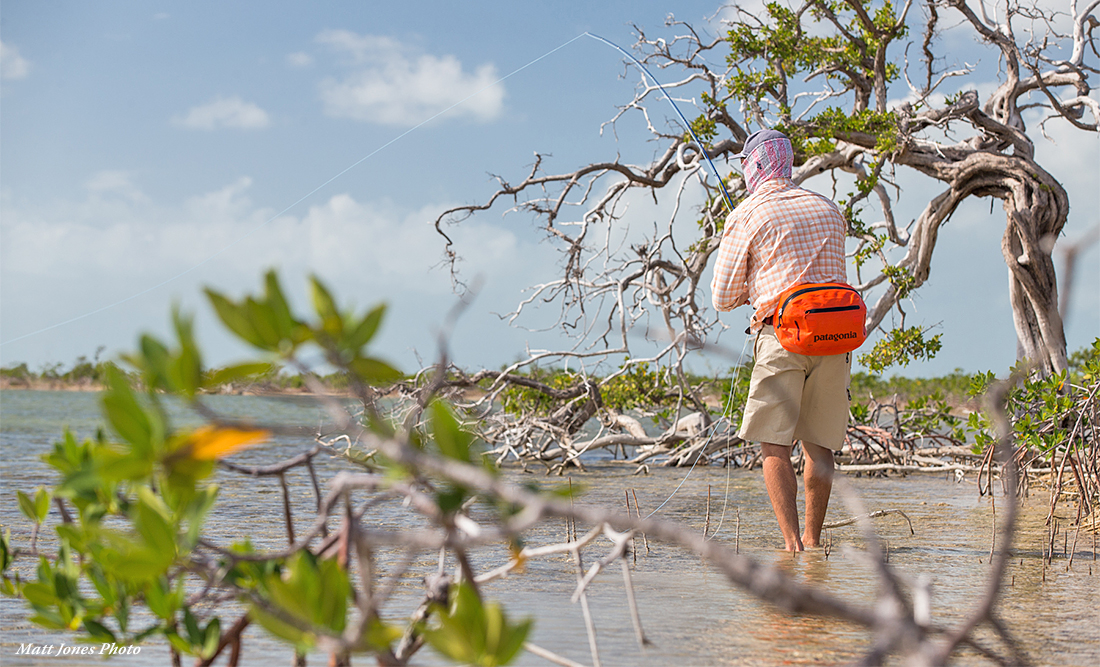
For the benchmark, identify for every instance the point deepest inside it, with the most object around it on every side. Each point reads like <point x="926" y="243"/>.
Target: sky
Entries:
<point x="150" y="149"/>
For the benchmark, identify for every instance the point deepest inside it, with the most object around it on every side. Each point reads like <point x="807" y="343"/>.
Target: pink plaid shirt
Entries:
<point x="781" y="236"/>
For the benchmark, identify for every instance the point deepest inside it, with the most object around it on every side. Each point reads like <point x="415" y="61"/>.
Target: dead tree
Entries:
<point x="824" y="73"/>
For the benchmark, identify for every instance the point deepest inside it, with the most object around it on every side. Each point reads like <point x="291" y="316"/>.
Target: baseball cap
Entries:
<point x="757" y="138"/>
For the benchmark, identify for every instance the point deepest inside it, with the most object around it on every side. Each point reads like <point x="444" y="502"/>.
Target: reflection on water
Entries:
<point x="690" y="613"/>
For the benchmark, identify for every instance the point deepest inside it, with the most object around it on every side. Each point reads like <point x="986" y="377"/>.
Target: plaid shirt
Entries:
<point x="781" y="236"/>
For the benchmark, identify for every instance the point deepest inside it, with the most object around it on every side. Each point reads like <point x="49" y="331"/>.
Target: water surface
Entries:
<point x="690" y="613"/>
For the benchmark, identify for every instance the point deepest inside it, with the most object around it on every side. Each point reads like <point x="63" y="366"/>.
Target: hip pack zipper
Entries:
<point x="831" y="309"/>
<point x="800" y="292"/>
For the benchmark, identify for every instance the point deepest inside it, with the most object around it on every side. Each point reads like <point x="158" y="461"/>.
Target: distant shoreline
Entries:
<point x="46" y="384"/>
<point x="54" y="384"/>
<point x="229" y="389"/>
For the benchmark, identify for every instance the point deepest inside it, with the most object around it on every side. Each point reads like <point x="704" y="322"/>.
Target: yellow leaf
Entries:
<point x="213" y="442"/>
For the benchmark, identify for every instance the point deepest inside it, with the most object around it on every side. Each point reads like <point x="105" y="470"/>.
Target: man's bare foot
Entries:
<point x="794" y="547"/>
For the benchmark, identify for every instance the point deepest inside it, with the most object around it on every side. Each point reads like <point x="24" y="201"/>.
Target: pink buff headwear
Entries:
<point x="767" y="155"/>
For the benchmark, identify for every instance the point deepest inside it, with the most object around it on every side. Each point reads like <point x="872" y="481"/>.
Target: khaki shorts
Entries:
<point x="796" y="397"/>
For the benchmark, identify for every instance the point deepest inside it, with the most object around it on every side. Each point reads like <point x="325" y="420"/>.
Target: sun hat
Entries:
<point x="757" y="138"/>
<point x="767" y="155"/>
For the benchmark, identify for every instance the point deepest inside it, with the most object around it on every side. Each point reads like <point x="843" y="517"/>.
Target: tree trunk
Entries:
<point x="1036" y="208"/>
<point x="1033" y="286"/>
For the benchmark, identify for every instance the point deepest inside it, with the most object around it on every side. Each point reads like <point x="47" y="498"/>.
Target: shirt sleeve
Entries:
<point x="729" y="288"/>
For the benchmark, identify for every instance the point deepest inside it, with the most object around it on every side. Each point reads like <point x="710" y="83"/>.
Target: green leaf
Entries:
<point x="41" y="503"/>
<point x="154" y="361"/>
<point x="375" y="371"/>
<point x="65" y="588"/>
<point x="194" y="634"/>
<point x="167" y="600"/>
<point x="26" y="505"/>
<point x="185" y="369"/>
<point x="900" y="346"/>
<point x="333" y="602"/>
<point x="450" y="498"/>
<point x="102" y="586"/>
<point x="195" y="513"/>
<point x="50" y="620"/>
<point x="113" y="468"/>
<point x="158" y="600"/>
<point x="280" y="628"/>
<point x="125" y="414"/>
<point x="381" y="635"/>
<point x="325" y="306"/>
<point x="235" y="318"/>
<point x="181" y="644"/>
<point x="263" y="323"/>
<point x="136" y="564"/>
<point x="283" y="320"/>
<point x="99" y="632"/>
<point x="40" y="594"/>
<point x="153" y="522"/>
<point x="364" y="332"/>
<point x="313" y="591"/>
<point x="452" y="440"/>
<point x="6" y="555"/>
<point x="213" y="636"/>
<point x="504" y="641"/>
<point x="78" y="537"/>
<point x="471" y="632"/>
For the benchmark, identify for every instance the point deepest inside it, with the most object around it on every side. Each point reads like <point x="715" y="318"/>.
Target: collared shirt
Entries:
<point x="781" y="236"/>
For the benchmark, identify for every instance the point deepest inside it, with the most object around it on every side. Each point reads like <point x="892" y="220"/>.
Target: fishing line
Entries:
<point x="713" y="428"/>
<point x="726" y="496"/>
<point x="729" y="202"/>
<point x="298" y="201"/>
<point x="721" y="183"/>
<point x="729" y="447"/>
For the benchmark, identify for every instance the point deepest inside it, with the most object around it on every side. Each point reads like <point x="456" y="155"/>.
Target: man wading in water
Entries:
<point x="780" y="236"/>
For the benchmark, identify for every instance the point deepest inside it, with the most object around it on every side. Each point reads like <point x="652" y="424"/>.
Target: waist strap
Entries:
<point x="767" y="321"/>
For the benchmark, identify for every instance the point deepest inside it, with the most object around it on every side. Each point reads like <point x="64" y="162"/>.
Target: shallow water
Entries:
<point x="690" y="613"/>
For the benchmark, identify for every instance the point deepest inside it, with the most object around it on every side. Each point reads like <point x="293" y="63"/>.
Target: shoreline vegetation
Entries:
<point x="955" y="389"/>
<point x="86" y="375"/>
<point x="898" y="425"/>
<point x="866" y="389"/>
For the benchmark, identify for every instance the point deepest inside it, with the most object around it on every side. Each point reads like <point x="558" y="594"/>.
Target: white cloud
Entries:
<point x="395" y="84"/>
<point x="117" y="251"/>
<point x="400" y="249"/>
<point x="119" y="231"/>
<point x="300" y="59"/>
<point x="224" y="112"/>
<point x="114" y="183"/>
<point x="12" y="65"/>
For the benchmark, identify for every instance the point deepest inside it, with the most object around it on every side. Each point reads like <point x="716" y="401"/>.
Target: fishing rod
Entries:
<point x="706" y="155"/>
<point x="729" y="202"/>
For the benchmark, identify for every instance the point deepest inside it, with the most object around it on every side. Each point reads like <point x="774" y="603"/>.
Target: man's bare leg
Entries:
<point x="818" y="479"/>
<point x="782" y="486"/>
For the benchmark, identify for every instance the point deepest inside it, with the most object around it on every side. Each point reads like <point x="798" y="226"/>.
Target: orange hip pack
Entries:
<point x="819" y="319"/>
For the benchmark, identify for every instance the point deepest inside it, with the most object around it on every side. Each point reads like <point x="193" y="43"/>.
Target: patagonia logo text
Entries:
<point x="835" y="336"/>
